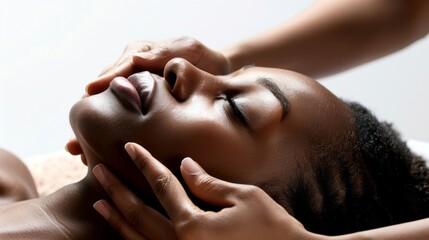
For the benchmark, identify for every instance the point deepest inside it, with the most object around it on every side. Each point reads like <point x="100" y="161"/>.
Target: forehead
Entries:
<point x="283" y="78"/>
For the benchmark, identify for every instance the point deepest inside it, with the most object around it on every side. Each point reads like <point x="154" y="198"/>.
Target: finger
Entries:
<point x="144" y="218"/>
<point x="100" y="84"/>
<point x="207" y="188"/>
<point x="83" y="159"/>
<point x="153" y="61"/>
<point x="117" y="221"/>
<point x="73" y="146"/>
<point x="165" y="185"/>
<point x="128" y="51"/>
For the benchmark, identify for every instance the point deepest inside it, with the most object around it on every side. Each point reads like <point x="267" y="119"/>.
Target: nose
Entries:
<point x="185" y="79"/>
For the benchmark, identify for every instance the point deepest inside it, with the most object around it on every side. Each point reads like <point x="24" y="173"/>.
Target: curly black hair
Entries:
<point x="401" y="178"/>
<point x="372" y="180"/>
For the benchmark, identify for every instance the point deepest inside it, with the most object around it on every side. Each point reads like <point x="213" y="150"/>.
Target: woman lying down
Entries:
<point x="328" y="162"/>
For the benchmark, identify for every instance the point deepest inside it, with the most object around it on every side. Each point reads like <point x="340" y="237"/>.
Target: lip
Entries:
<point x="126" y="92"/>
<point x="144" y="84"/>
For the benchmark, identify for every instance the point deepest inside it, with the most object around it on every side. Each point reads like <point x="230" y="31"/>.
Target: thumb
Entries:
<point x="153" y="61"/>
<point x="207" y="188"/>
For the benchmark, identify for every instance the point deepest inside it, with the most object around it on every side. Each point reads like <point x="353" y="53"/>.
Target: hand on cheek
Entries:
<point x="247" y="211"/>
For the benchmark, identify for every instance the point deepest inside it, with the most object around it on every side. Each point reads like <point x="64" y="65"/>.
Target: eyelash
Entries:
<point x="238" y="113"/>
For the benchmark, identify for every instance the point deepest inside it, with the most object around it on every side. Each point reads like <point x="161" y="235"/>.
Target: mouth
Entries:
<point x="144" y="84"/>
<point x="126" y="92"/>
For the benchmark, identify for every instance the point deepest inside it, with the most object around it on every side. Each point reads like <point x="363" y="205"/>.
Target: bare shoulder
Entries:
<point x="28" y="220"/>
<point x="16" y="183"/>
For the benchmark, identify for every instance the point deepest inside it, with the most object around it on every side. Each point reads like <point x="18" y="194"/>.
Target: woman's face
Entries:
<point x="252" y="126"/>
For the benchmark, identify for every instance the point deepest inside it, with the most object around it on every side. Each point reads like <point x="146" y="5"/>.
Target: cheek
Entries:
<point x="218" y="146"/>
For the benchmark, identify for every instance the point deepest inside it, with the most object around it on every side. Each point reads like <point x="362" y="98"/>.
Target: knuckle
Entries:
<point x="249" y="193"/>
<point x="118" y="226"/>
<point x="194" y="48"/>
<point x="190" y="228"/>
<point x="132" y="214"/>
<point x="193" y="44"/>
<point x="187" y="40"/>
<point x="254" y="190"/>
<point x="206" y="183"/>
<point x="138" y="46"/>
<point x="191" y="41"/>
<point x="161" y="184"/>
<point x="162" y="50"/>
<point x="110" y="188"/>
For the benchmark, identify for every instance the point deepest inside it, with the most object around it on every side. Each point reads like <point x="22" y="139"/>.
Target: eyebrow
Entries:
<point x="275" y="90"/>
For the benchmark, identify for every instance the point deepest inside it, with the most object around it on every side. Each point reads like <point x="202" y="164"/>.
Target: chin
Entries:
<point x="102" y="127"/>
<point x="103" y="124"/>
<point x="99" y="132"/>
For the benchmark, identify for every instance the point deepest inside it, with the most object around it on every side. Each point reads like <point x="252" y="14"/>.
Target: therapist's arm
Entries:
<point x="328" y="37"/>
<point x="416" y="230"/>
<point x="334" y="35"/>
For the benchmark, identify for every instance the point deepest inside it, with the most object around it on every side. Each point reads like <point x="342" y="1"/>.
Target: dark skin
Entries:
<point x="61" y="215"/>
<point x="16" y="183"/>
<point x="104" y="123"/>
<point x="186" y="219"/>
<point x="341" y="34"/>
<point x="184" y="119"/>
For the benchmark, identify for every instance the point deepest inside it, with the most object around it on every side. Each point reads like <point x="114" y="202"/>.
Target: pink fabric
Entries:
<point x="55" y="170"/>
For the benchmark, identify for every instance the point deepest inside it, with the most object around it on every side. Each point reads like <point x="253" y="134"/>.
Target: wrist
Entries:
<point x="232" y="56"/>
<point x="306" y="235"/>
<point x="351" y="236"/>
<point x="227" y="64"/>
<point x="290" y="228"/>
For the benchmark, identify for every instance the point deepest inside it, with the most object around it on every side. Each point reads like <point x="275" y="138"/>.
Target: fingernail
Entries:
<point x="99" y="173"/>
<point x="191" y="167"/>
<point x="102" y="209"/>
<point x="130" y="150"/>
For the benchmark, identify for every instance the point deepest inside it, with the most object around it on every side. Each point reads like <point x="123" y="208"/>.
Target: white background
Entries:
<point x="50" y="49"/>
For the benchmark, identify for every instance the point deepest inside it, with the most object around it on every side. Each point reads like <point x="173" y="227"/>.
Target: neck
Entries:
<point x="71" y="207"/>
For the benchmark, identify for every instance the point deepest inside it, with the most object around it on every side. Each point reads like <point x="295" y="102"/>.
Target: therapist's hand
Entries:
<point x="246" y="212"/>
<point x="152" y="56"/>
<point x="74" y="148"/>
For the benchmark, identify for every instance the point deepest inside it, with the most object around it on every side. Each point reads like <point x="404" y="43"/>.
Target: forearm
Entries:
<point x="332" y="36"/>
<point x="416" y="230"/>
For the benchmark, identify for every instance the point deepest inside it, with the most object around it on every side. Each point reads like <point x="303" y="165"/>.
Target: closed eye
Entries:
<point x="237" y="111"/>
